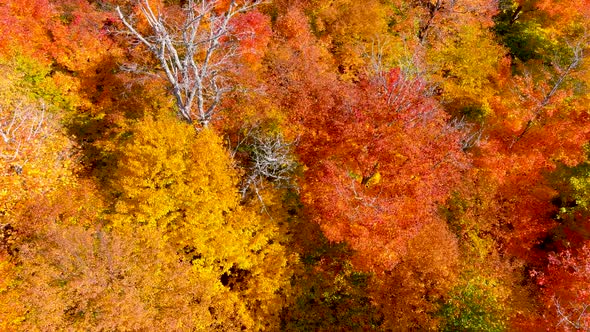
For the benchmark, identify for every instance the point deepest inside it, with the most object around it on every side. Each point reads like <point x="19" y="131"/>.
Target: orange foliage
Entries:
<point x="409" y="296"/>
<point x="427" y="135"/>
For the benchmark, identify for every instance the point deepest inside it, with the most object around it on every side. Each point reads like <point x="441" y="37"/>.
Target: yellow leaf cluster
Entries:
<point x="348" y="29"/>
<point x="465" y="74"/>
<point x="181" y="183"/>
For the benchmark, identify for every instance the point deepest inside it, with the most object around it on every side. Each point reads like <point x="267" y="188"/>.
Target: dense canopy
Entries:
<point x="308" y="165"/>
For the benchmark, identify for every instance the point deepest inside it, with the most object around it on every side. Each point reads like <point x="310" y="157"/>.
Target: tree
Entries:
<point x="466" y="78"/>
<point x="379" y="157"/>
<point x="37" y="159"/>
<point x="564" y="286"/>
<point x="182" y="184"/>
<point x="270" y="159"/>
<point x="410" y="294"/>
<point x="395" y="140"/>
<point x="521" y="31"/>
<point x="475" y="306"/>
<point x="348" y="28"/>
<point x="38" y="168"/>
<point x="73" y="277"/>
<point x="540" y="98"/>
<point x="194" y="49"/>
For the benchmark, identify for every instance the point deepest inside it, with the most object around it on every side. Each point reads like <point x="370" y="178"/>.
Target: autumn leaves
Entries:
<point x="279" y="165"/>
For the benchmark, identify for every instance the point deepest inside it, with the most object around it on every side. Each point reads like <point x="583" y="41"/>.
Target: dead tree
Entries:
<point x="194" y="54"/>
<point x="271" y="160"/>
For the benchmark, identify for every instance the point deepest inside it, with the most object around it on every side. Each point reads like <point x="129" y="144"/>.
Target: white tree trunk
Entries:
<point x="195" y="55"/>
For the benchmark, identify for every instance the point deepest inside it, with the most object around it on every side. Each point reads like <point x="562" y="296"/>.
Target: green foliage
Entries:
<point x="573" y="184"/>
<point x="573" y="200"/>
<point x="474" y="306"/>
<point x="475" y="113"/>
<point x="332" y="301"/>
<point x="526" y="33"/>
<point x="35" y="80"/>
<point x="525" y="39"/>
<point x="328" y="293"/>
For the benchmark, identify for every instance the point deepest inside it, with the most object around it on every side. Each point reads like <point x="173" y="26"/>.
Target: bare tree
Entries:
<point x="270" y="159"/>
<point x="193" y="55"/>
<point x="574" y="317"/>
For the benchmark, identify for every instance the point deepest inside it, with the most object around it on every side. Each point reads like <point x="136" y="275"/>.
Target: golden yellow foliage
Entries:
<point x="349" y="29"/>
<point x="177" y="181"/>
<point x="466" y="65"/>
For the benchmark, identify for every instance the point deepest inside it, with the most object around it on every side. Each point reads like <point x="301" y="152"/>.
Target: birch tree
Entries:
<point x="195" y="54"/>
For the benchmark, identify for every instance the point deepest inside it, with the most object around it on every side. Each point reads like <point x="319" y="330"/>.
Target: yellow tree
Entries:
<point x="349" y="30"/>
<point x="34" y="152"/>
<point x="183" y="184"/>
<point x="38" y="161"/>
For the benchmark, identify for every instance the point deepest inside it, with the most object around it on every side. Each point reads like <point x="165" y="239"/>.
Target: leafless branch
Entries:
<point x="21" y="125"/>
<point x="572" y="317"/>
<point x="195" y="55"/>
<point x="471" y="135"/>
<point x="271" y="159"/>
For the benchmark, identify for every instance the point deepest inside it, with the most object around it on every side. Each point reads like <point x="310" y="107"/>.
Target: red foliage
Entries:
<point x="254" y="32"/>
<point x="350" y="137"/>
<point x="564" y="286"/>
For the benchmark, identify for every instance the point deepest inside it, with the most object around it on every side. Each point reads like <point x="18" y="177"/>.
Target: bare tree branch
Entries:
<point x="573" y="316"/>
<point x="271" y="159"/>
<point x="193" y="55"/>
<point x="21" y="124"/>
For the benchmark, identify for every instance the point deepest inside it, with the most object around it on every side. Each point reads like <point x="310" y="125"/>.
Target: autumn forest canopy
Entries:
<point x="308" y="165"/>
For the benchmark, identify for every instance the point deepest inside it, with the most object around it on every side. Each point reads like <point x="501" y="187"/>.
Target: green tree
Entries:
<point x="474" y="306"/>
